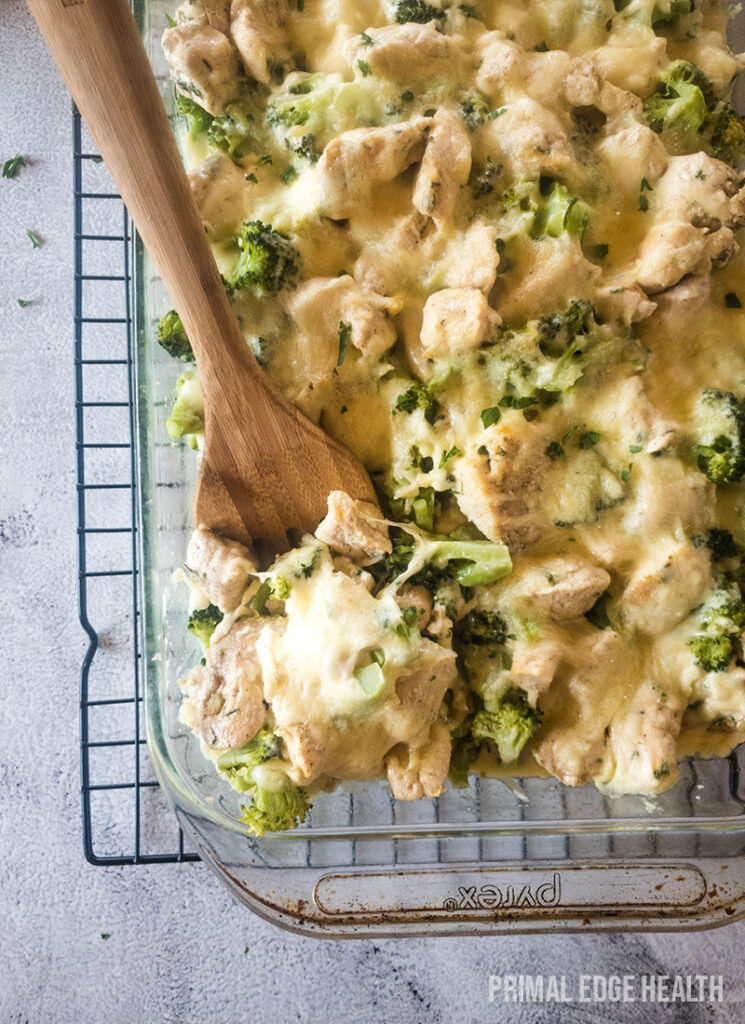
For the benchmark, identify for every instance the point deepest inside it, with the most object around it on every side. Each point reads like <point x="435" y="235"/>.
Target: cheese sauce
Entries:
<point x="492" y="248"/>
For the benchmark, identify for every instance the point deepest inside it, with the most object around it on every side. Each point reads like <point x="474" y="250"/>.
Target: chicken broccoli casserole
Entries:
<point x="492" y="248"/>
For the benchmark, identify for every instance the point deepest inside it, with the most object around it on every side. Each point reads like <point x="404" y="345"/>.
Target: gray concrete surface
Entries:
<point x="179" y="949"/>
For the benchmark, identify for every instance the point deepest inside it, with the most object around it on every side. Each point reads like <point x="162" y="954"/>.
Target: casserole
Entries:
<point x="534" y="855"/>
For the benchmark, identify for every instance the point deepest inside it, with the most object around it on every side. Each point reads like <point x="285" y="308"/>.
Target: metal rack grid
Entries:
<point x="125" y="816"/>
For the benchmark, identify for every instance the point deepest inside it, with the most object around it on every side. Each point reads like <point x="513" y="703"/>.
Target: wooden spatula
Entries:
<point x="266" y="468"/>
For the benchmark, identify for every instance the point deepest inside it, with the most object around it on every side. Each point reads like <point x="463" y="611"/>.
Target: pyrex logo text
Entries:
<point x="488" y="897"/>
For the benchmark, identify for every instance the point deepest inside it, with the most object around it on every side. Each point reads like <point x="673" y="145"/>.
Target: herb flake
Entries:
<point x="345" y="334"/>
<point x="12" y="167"/>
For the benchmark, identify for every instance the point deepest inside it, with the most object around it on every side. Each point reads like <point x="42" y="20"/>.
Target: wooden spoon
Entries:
<point x="265" y="468"/>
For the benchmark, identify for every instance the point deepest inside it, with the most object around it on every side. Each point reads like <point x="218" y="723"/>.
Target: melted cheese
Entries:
<point x="580" y="447"/>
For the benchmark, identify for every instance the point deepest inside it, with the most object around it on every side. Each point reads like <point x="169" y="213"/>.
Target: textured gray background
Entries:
<point x="176" y="951"/>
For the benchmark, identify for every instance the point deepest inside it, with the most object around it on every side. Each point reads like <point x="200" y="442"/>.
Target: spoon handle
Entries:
<point x="99" y="51"/>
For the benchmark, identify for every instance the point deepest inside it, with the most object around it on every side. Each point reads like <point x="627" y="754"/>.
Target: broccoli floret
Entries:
<point x="397" y="562"/>
<point x="676" y="9"/>
<point x="256" y="768"/>
<point x="277" y="803"/>
<point x="474" y="110"/>
<point x="238" y="764"/>
<point x="419" y="396"/>
<point x="686" y="111"/>
<point x="720" y="543"/>
<point x="187" y="415"/>
<point x="557" y="332"/>
<point x="463" y="753"/>
<point x="719" y="435"/>
<point x="304" y="146"/>
<point x="726" y="133"/>
<point x="508" y="724"/>
<point x="172" y="337"/>
<point x="268" y="260"/>
<point x="198" y="120"/>
<point x="472" y="563"/>
<point x="481" y="627"/>
<point x="204" y="621"/>
<point x="423" y="508"/>
<point x="717" y="640"/>
<point x="234" y="132"/>
<point x="712" y="653"/>
<point x="322" y="105"/>
<point x="559" y="212"/>
<point x="417" y="10"/>
<point x="677" y="108"/>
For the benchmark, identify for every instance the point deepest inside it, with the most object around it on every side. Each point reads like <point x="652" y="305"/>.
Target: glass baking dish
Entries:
<point x="496" y="858"/>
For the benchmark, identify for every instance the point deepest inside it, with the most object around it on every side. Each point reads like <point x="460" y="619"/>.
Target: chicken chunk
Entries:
<point x="419" y="772"/>
<point x="528" y="140"/>
<point x="321" y="304"/>
<point x="674" y="249"/>
<point x="354" y="528"/>
<point x="303" y="750"/>
<point x="224" y="698"/>
<point x="632" y="154"/>
<point x="636" y="68"/>
<point x="411" y="596"/>
<point x="203" y="64"/>
<point x="219" y="190"/>
<point x="665" y="587"/>
<point x="701" y="191"/>
<point x="499" y="492"/>
<point x="422" y="689"/>
<point x="471" y="260"/>
<point x="684" y="299"/>
<point x="643" y="742"/>
<point x="629" y="305"/>
<point x="259" y="31"/>
<point x="455" y="320"/>
<point x="580" y="705"/>
<point x="534" y="664"/>
<point x="223" y="567"/>
<point x="206" y="12"/>
<point x="359" y="159"/>
<point x="444" y="169"/>
<point x="406" y="52"/>
<point x="501" y="62"/>
<point x="564" y="587"/>
<point x="547" y="275"/>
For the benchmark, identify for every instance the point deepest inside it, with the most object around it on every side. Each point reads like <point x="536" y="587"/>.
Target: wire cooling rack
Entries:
<point x="125" y="816"/>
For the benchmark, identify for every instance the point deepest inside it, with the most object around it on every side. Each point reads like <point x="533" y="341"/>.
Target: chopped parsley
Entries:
<point x="364" y="68"/>
<point x="35" y="240"/>
<point x="588" y="440"/>
<point x="490" y="416"/>
<point x="448" y="455"/>
<point x="345" y="334"/>
<point x="23" y="302"/>
<point x="12" y="167"/>
<point x="288" y="174"/>
<point x="555" y="451"/>
<point x="366" y="39"/>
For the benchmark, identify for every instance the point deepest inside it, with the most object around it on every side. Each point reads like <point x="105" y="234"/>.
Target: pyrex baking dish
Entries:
<point x="495" y="858"/>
